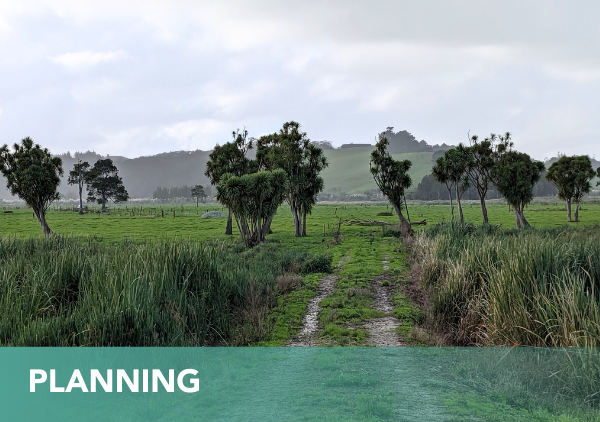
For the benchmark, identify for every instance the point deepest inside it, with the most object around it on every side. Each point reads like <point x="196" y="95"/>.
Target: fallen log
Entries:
<point x="362" y="222"/>
<point x="365" y="222"/>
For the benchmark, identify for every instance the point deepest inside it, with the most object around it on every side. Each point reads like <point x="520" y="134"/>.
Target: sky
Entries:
<point x="138" y="78"/>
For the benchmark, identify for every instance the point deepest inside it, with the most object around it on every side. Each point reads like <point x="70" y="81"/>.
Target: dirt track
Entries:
<point x="307" y="335"/>
<point x="382" y="331"/>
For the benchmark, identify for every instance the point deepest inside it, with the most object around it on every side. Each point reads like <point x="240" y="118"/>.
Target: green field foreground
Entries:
<point x="147" y="223"/>
<point x="133" y="277"/>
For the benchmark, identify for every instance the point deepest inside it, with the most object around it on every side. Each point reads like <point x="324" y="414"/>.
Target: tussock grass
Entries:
<point x="499" y="287"/>
<point x="62" y="292"/>
<point x="538" y="287"/>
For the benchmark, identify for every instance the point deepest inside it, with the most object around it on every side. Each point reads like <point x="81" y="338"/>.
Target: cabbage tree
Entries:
<point x="253" y="199"/>
<point x="515" y="174"/>
<point x="392" y="178"/>
<point x="33" y="175"/>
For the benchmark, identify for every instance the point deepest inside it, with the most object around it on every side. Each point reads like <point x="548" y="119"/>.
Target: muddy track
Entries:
<point x="382" y="331"/>
<point x="307" y="335"/>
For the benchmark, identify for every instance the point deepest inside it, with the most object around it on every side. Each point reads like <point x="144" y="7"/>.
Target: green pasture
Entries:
<point x="147" y="222"/>
<point x="348" y="169"/>
<point x="356" y="251"/>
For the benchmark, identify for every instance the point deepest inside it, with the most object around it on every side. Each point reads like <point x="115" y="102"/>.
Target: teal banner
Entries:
<point x="298" y="384"/>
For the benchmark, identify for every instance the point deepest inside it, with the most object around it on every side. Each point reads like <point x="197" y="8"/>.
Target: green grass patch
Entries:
<point x="343" y="336"/>
<point x="285" y="319"/>
<point x="409" y="314"/>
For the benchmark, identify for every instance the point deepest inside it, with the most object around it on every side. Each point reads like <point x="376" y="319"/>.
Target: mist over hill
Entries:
<point x="142" y="175"/>
<point x="348" y="169"/>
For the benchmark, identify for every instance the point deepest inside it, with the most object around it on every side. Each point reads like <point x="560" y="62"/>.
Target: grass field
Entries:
<point x="348" y="169"/>
<point x="148" y="222"/>
<point x="357" y="254"/>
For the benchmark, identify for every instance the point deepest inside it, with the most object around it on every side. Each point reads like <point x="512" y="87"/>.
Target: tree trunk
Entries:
<point x="460" y="213"/>
<point x="80" y="199"/>
<point x="451" y="204"/>
<point x="197" y="199"/>
<point x="523" y="220"/>
<point x="297" y="222"/>
<point x="304" y="225"/>
<point x="484" y="210"/>
<point x="267" y="226"/>
<point x="577" y="211"/>
<point x="405" y="228"/>
<point x="568" y="201"/>
<point x="103" y="203"/>
<point x="517" y="217"/>
<point x="229" y="227"/>
<point x="41" y="218"/>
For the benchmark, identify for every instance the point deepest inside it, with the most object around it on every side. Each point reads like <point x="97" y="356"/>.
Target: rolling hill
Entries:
<point x="348" y="169"/>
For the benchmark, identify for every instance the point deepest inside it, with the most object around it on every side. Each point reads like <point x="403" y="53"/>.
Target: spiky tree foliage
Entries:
<point x="515" y="174"/>
<point x="441" y="175"/>
<point x="583" y="175"/>
<point x="483" y="155"/>
<point x="253" y="199"/>
<point x="311" y="184"/>
<point x="104" y="183"/>
<point x="33" y="175"/>
<point x="292" y="151"/>
<point x="572" y="176"/>
<point x="392" y="178"/>
<point x="198" y="193"/>
<point x="452" y="167"/>
<point x="230" y="158"/>
<point x="77" y="177"/>
<point x="560" y="174"/>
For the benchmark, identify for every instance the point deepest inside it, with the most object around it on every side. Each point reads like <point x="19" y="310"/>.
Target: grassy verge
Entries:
<point x="285" y="318"/>
<point x="409" y="315"/>
<point x="537" y="287"/>
<point x="517" y="384"/>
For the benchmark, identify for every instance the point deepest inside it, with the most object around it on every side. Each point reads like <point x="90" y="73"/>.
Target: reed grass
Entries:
<point x="65" y="292"/>
<point x="491" y="287"/>
<point x="537" y="287"/>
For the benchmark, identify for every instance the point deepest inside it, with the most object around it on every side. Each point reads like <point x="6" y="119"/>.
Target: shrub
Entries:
<point x="317" y="264"/>
<point x="288" y="282"/>
<point x="390" y="231"/>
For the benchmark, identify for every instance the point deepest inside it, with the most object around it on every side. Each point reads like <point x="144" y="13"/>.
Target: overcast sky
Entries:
<point x="142" y="77"/>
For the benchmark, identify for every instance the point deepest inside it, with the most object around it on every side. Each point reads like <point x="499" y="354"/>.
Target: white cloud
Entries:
<point x="127" y="142"/>
<point x="194" y="134"/>
<point x="380" y="101"/>
<point x="513" y="111"/>
<point x="573" y="72"/>
<point x="85" y="59"/>
<point x="344" y="69"/>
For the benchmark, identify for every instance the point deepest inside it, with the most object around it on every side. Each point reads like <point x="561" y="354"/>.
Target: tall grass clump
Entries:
<point x="62" y="292"/>
<point x="562" y="380"/>
<point x="492" y="287"/>
<point x="495" y="287"/>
